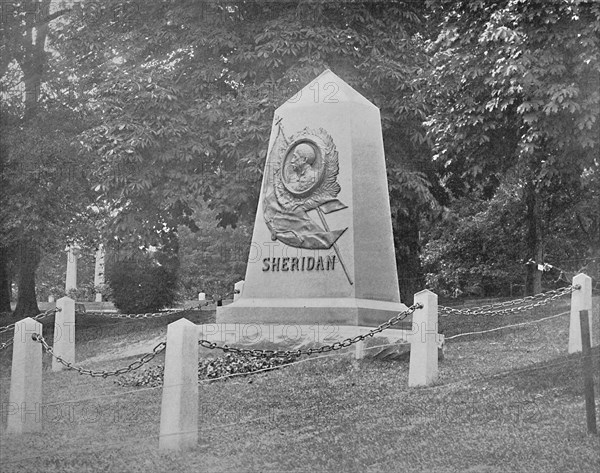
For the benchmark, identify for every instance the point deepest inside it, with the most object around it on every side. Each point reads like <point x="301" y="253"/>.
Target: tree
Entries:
<point x="44" y="195"/>
<point x="42" y="184"/>
<point x="513" y="86"/>
<point x="186" y="92"/>
<point x="212" y="259"/>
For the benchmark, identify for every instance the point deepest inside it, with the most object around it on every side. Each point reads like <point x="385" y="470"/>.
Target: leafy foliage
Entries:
<point x="186" y="91"/>
<point x="212" y="259"/>
<point x="44" y="189"/>
<point x="141" y="285"/>
<point x="51" y="275"/>
<point x="514" y="84"/>
<point x="44" y="183"/>
<point x="475" y="249"/>
<point x="209" y="368"/>
<point x="513" y="91"/>
<point x="478" y="247"/>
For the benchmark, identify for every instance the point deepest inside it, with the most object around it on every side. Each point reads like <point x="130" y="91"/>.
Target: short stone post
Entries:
<point x="359" y="351"/>
<point x="423" y="368"/>
<point x="179" y="409"/>
<point x="581" y="299"/>
<point x="25" y="399"/>
<point x="64" y="333"/>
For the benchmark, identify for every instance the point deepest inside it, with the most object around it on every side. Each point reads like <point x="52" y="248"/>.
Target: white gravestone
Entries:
<point x="238" y="287"/>
<point x="322" y="249"/>
<point x="73" y="252"/>
<point x="99" y="271"/>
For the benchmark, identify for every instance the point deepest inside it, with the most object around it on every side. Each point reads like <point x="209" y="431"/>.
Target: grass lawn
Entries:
<point x="506" y="401"/>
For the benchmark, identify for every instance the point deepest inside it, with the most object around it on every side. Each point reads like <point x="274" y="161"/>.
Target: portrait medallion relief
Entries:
<point x="303" y="168"/>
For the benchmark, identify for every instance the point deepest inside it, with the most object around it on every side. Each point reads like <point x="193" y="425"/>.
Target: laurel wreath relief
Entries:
<point x="301" y="176"/>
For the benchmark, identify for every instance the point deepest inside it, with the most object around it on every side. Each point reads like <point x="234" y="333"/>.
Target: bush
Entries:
<point x="141" y="285"/>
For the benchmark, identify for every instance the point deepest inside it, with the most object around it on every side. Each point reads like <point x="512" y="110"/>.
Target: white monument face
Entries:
<point x="322" y="248"/>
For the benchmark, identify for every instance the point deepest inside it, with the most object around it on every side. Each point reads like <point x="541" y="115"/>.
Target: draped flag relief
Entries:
<point x="302" y="176"/>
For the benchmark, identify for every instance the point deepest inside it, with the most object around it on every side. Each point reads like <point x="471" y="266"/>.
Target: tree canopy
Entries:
<point x="513" y="90"/>
<point x="166" y="104"/>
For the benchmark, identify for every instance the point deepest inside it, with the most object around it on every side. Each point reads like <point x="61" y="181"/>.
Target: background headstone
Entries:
<point x="73" y="252"/>
<point x="237" y="290"/>
<point x="99" y="271"/>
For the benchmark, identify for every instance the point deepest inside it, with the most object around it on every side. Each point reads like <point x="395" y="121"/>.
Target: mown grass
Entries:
<point x="506" y="401"/>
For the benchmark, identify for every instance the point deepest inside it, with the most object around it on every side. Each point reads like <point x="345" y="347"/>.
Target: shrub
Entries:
<point x="141" y="285"/>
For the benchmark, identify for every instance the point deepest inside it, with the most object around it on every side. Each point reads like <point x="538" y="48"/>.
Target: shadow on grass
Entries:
<point x="562" y="374"/>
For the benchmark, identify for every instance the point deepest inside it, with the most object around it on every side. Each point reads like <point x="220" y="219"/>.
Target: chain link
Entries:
<point x="141" y="316"/>
<point x="310" y="351"/>
<point x="103" y="373"/>
<point x="8" y="327"/>
<point x="504" y="308"/>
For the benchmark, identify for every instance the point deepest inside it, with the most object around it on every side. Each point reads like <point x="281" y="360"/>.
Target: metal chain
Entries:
<point x="503" y="308"/>
<point x="323" y="349"/>
<point x="6" y="328"/>
<point x="102" y="374"/>
<point x="36" y="317"/>
<point x="141" y="316"/>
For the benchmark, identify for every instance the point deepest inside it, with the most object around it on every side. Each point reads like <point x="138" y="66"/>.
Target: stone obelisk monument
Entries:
<point x="322" y="249"/>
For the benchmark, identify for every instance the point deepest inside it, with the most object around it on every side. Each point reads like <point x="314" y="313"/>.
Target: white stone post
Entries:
<point x="99" y="271"/>
<point x="71" y="279"/>
<point x="179" y="409"/>
<point x="423" y="368"/>
<point x="581" y="299"/>
<point x="359" y="351"/>
<point x="25" y="399"/>
<point x="64" y="333"/>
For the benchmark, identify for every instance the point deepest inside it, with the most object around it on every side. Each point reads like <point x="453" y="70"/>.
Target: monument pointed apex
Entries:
<point x="326" y="89"/>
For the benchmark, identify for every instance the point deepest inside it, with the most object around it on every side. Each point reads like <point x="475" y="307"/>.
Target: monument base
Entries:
<point x="324" y="311"/>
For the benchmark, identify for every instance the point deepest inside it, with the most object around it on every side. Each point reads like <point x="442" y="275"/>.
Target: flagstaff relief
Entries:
<point x="322" y="249"/>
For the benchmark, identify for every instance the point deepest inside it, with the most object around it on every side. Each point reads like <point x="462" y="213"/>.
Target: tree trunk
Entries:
<point x="28" y="257"/>
<point x="408" y="263"/>
<point x="33" y="61"/>
<point x="4" y="281"/>
<point x="534" y="241"/>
